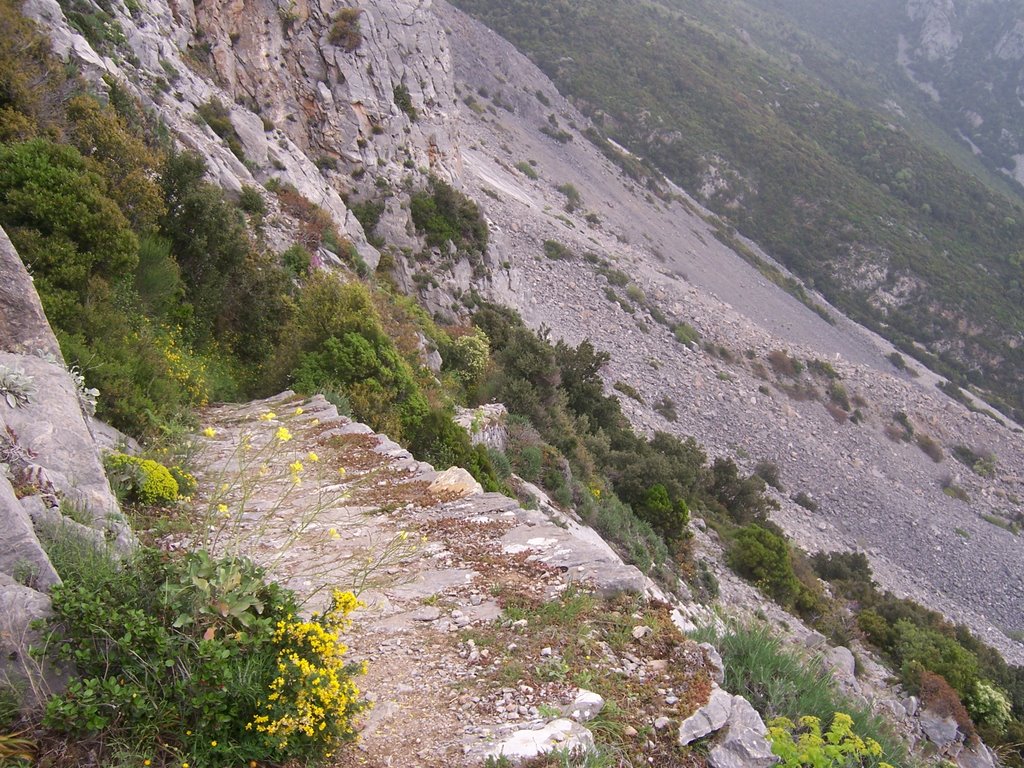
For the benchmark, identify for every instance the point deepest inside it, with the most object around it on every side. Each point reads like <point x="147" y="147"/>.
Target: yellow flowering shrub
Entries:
<point x="142" y="480"/>
<point x="804" y="745"/>
<point x="311" y="703"/>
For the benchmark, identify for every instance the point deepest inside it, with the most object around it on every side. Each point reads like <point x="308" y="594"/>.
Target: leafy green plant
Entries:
<point x="778" y="683"/>
<point x="527" y="170"/>
<point x="444" y="214"/>
<point x="249" y="683"/>
<point x="403" y="100"/>
<point x="838" y="747"/>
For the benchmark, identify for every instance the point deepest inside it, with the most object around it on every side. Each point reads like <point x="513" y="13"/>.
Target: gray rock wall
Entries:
<point x="49" y="465"/>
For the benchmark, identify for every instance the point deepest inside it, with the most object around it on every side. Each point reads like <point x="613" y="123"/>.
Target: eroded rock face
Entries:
<point x="330" y="114"/>
<point x="23" y="325"/>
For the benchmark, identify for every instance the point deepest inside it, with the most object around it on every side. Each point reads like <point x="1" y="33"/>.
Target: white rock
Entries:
<point x="561" y="734"/>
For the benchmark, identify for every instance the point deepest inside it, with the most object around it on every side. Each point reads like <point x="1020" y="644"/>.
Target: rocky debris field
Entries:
<point x="635" y="266"/>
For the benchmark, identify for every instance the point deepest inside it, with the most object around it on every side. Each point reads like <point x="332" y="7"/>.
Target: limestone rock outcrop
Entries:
<point x="49" y="465"/>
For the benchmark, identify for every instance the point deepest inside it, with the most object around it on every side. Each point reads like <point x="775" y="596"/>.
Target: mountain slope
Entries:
<point x="888" y="230"/>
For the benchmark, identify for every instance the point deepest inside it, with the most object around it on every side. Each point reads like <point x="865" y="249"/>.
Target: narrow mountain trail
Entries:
<point x="323" y="503"/>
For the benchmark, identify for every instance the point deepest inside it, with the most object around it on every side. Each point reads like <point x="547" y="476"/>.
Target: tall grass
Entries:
<point x="778" y="683"/>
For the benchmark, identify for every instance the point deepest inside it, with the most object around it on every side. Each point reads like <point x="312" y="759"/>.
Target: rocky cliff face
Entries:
<point x="332" y="110"/>
<point x="52" y="481"/>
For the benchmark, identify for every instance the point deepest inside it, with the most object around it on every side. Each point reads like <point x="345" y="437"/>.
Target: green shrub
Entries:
<point x="527" y="170"/>
<point x="686" y="334"/>
<point x="573" y="198"/>
<point x="554" y="250"/>
<point x="141" y="480"/>
<point x="296" y="260"/>
<point x="218" y="117"/>
<point x="770" y="473"/>
<point x="762" y="557"/>
<point x="403" y="100"/>
<point x="444" y="214"/>
<point x="252" y="202"/>
<point x="198" y="661"/>
<point x="668" y="518"/>
<point x="988" y="706"/>
<point x="806" y="501"/>
<point x="438" y="440"/>
<point x="929" y="447"/>
<point x="778" y="683"/>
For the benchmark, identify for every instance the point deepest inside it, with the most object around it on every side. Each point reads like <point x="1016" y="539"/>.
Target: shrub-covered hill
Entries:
<point x="892" y="232"/>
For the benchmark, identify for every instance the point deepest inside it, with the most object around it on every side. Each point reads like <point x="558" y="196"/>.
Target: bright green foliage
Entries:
<point x="779" y="683"/>
<point x="936" y="652"/>
<point x="180" y="661"/>
<point x="989" y="706"/>
<point x="669" y="518"/>
<point x="763" y="557"/>
<point x="65" y="227"/>
<point x="467" y="357"/>
<point x="839" y="747"/>
<point x="142" y="480"/>
<point x="336" y="341"/>
<point x="442" y="213"/>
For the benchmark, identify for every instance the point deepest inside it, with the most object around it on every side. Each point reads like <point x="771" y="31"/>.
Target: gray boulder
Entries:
<point x="559" y="734"/>
<point x="708" y="719"/>
<point x="20" y="606"/>
<point x="22" y="557"/>
<point x="942" y="731"/>
<point x="744" y="743"/>
<point x="52" y="427"/>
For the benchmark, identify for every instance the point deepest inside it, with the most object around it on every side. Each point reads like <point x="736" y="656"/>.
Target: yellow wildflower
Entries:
<point x="311" y="456"/>
<point x="147" y="761"/>
<point x="268" y="416"/>
<point x="298" y="411"/>
<point x="209" y="431"/>
<point x="213" y="743"/>
<point x="341" y="471"/>
<point x="333" y="533"/>
<point x="222" y="508"/>
<point x="296" y="467"/>
<point x="283" y="434"/>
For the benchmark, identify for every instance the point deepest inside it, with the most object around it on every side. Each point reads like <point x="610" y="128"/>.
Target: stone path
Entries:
<point x="323" y="502"/>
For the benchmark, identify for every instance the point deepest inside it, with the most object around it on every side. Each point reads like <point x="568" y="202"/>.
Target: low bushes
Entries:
<point x="196" y="661"/>
<point x="441" y="213"/>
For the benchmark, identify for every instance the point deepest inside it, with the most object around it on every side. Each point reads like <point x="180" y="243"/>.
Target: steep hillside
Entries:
<point x="963" y="58"/>
<point x="888" y="230"/>
<point x="345" y="156"/>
